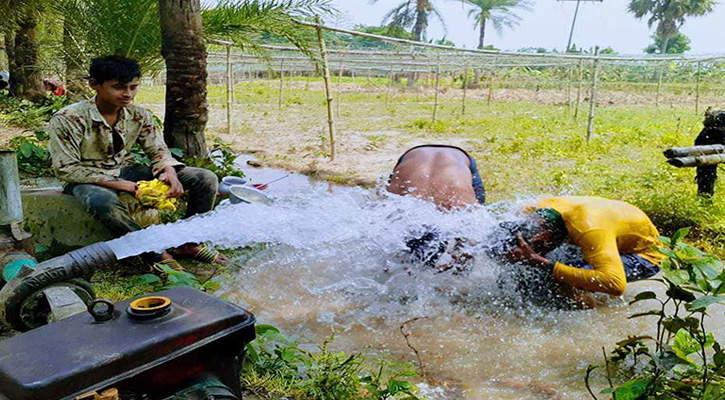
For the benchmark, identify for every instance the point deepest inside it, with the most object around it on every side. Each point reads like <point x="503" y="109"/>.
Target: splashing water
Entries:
<point x="331" y="261"/>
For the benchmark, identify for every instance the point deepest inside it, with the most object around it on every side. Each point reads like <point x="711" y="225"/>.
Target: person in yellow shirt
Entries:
<point x="615" y="239"/>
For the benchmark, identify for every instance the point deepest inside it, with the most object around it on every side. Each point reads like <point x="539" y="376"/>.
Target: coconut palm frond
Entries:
<point x="440" y="19"/>
<point x="402" y="16"/>
<point x="244" y="23"/>
<point x="501" y="13"/>
<point x="125" y="27"/>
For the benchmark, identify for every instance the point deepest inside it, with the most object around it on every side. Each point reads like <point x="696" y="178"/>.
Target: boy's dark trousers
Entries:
<point x="103" y="203"/>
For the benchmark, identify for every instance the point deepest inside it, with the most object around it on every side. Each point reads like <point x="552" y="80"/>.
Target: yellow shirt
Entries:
<point x="603" y="229"/>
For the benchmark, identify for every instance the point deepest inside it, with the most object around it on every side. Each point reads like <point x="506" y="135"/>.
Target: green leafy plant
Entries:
<point x="683" y="360"/>
<point x="220" y="161"/>
<point x="32" y="153"/>
<point x="31" y="114"/>
<point x="277" y="366"/>
<point x="171" y="278"/>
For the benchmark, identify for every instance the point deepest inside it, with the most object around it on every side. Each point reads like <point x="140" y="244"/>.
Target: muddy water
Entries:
<point x="332" y="260"/>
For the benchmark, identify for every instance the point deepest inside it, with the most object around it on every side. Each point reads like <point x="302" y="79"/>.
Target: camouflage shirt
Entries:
<point x="84" y="148"/>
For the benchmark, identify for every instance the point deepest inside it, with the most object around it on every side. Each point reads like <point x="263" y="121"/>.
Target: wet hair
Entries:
<point x="109" y="68"/>
<point x="504" y="240"/>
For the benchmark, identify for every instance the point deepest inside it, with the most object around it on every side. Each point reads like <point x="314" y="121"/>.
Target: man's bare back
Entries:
<point x="438" y="173"/>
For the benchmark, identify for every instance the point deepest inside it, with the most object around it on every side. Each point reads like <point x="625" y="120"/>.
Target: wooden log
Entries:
<point x="694" y="151"/>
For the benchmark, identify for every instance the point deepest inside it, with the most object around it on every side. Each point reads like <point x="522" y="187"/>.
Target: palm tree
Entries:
<point x="19" y="23"/>
<point x="499" y="12"/>
<point x="412" y="14"/>
<point x="669" y="15"/>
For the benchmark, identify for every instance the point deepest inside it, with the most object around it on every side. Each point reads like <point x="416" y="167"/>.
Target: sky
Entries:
<point x="606" y="24"/>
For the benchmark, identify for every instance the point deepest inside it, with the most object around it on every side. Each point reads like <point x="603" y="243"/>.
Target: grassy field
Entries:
<point x="523" y="147"/>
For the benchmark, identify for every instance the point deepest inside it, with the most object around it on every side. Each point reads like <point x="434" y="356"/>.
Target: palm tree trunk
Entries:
<point x="663" y="49"/>
<point x="482" y="33"/>
<point x="25" y="79"/>
<point x="421" y="22"/>
<point x="184" y="51"/>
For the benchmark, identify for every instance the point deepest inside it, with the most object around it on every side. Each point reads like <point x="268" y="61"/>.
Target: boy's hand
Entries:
<point x="120" y="185"/>
<point x="169" y="176"/>
<point x="527" y="255"/>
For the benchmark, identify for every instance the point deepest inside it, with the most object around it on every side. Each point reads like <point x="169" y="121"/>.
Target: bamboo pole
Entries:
<point x="229" y="90"/>
<point x="593" y="94"/>
<point x="659" y="85"/>
<point x="697" y="89"/>
<point x="326" y="77"/>
<point x="568" y="87"/>
<point x="437" y="87"/>
<point x="490" y="88"/>
<point x="579" y="90"/>
<point x="465" y="84"/>
<point x="339" y="84"/>
<point x="281" y="84"/>
<point x="231" y="75"/>
<point x="390" y="85"/>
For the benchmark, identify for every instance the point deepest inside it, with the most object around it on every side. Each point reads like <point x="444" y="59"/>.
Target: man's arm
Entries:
<point x="600" y="250"/>
<point x="120" y="185"/>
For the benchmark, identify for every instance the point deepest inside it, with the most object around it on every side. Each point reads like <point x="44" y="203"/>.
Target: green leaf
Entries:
<point x="669" y="253"/>
<point x="264" y="329"/>
<point x="644" y="296"/>
<point x="684" y="345"/>
<point x="26" y="149"/>
<point x="674" y="324"/>
<point x="176" y="151"/>
<point x="147" y="279"/>
<point x="681" y="233"/>
<point x="396" y="386"/>
<point x="632" y="390"/>
<point x="678" y="293"/>
<point x="703" y="302"/>
<point x="677" y="276"/>
<point x="607" y="390"/>
<point x="714" y="391"/>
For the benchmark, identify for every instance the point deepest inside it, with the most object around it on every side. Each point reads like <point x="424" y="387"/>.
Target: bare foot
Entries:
<point x="191" y="250"/>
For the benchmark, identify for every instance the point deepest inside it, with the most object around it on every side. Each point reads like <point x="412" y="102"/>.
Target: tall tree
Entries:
<point x="677" y="44"/>
<point x="183" y="48"/>
<point x="669" y="15"/>
<point x="499" y="12"/>
<point x="413" y="15"/>
<point x="19" y="23"/>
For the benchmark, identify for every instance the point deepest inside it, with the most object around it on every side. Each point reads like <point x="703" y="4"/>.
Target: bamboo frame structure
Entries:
<point x="328" y="93"/>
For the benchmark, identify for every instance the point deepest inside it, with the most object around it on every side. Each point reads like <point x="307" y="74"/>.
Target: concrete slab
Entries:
<point x="59" y="221"/>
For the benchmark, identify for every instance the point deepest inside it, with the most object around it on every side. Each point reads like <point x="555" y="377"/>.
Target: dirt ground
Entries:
<point x="8" y="132"/>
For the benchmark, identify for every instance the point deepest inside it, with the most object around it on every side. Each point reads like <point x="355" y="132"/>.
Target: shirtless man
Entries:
<point x="447" y="175"/>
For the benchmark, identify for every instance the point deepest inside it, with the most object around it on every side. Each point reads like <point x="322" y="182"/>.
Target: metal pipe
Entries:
<point x="11" y="208"/>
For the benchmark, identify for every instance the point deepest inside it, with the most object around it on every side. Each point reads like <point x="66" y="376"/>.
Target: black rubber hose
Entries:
<point x="81" y="263"/>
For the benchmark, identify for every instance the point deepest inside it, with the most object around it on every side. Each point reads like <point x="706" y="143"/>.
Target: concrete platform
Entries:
<point x="59" y="221"/>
